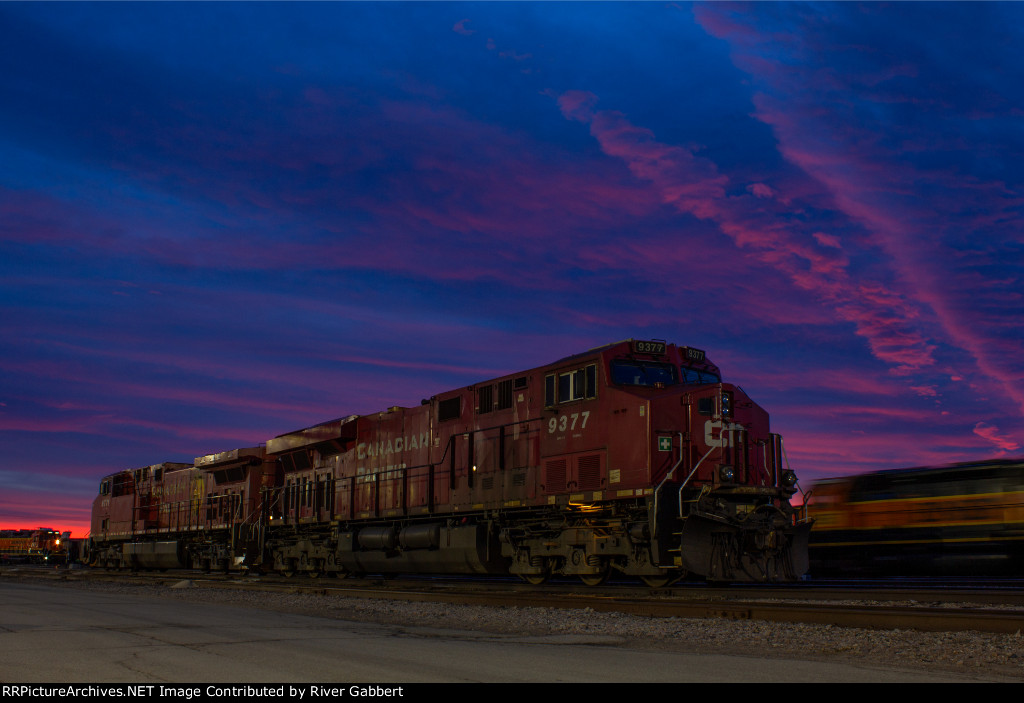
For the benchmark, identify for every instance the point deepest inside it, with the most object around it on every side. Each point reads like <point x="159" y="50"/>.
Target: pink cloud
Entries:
<point x="935" y="219"/>
<point x="514" y="55"/>
<point x="692" y="184"/>
<point x="577" y="105"/>
<point x="992" y="434"/>
<point x="687" y="182"/>
<point x="827" y="240"/>
<point x="818" y="450"/>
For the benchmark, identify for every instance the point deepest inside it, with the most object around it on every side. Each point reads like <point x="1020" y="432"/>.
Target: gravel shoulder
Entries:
<point x="973" y="654"/>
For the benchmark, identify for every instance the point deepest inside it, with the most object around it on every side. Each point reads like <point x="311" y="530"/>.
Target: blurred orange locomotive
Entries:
<point x="42" y="545"/>
<point x="962" y="519"/>
<point x="633" y="458"/>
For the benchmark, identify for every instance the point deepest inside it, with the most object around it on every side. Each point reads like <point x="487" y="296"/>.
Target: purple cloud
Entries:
<point x="918" y="186"/>
<point x="209" y="238"/>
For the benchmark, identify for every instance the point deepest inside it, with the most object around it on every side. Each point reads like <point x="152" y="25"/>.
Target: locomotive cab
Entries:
<point x="673" y="471"/>
<point x="720" y="505"/>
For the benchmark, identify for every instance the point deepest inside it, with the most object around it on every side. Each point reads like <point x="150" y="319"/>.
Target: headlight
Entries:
<point x="727" y="404"/>
<point x="726" y="474"/>
<point x="788" y="479"/>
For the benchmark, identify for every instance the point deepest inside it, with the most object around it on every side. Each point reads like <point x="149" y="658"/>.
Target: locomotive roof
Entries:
<point x="959" y="466"/>
<point x="330" y="430"/>
<point x="627" y="343"/>
<point x="229" y="457"/>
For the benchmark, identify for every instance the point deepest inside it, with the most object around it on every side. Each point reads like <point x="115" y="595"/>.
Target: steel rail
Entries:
<point x="799" y="605"/>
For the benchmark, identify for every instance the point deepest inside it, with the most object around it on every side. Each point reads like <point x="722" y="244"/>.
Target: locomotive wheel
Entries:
<point x="662" y="580"/>
<point x="535" y="579"/>
<point x="594" y="579"/>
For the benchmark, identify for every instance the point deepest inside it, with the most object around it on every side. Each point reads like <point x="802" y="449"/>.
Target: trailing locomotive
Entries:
<point x="961" y="519"/>
<point x="633" y="458"/>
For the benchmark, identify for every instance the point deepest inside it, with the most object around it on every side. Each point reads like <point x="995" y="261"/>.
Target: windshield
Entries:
<point x="642" y="373"/>
<point x="697" y="377"/>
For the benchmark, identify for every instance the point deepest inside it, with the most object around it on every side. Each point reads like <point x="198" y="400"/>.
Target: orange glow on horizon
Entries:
<point x="78" y="530"/>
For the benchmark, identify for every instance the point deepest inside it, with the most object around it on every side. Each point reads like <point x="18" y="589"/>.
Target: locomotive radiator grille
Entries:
<point x="555" y="475"/>
<point x="590" y="472"/>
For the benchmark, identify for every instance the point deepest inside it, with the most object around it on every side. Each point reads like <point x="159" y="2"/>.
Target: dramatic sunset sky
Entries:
<point x="221" y="222"/>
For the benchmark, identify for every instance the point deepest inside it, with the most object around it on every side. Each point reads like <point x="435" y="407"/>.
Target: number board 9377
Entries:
<point x="695" y="355"/>
<point x="648" y="347"/>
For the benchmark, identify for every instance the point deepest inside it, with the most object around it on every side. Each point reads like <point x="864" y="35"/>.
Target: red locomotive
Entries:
<point x="175" y="515"/>
<point x="633" y="458"/>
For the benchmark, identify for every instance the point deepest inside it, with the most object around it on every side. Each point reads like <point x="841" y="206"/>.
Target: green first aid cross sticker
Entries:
<point x="664" y="444"/>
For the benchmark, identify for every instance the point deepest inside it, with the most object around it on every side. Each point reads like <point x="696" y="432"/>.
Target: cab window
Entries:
<point x="575" y="384"/>
<point x="626" y="372"/>
<point x="696" y="377"/>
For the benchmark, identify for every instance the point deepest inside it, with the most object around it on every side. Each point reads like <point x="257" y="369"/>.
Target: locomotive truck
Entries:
<point x="634" y="458"/>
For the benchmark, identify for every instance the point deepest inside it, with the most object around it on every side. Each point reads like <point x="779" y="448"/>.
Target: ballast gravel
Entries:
<point x="984" y="655"/>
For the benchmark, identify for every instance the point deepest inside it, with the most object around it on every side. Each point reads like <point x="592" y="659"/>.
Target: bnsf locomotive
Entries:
<point x="39" y="546"/>
<point x="634" y="458"/>
<point x="961" y="519"/>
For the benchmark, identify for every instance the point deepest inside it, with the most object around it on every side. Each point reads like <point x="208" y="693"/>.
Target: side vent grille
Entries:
<point x="554" y="475"/>
<point x="504" y="395"/>
<point x="590" y="472"/>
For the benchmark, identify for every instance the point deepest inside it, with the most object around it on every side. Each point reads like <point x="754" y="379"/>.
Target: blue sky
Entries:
<point x="220" y="222"/>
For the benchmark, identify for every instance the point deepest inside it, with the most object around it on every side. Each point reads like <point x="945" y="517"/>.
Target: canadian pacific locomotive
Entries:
<point x="633" y="458"/>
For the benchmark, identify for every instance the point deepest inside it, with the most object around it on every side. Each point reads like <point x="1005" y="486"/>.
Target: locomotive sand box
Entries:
<point x="633" y="458"/>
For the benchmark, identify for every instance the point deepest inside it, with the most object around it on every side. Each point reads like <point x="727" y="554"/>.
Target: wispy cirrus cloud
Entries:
<point x="208" y="233"/>
<point x="813" y="261"/>
<point x="931" y="189"/>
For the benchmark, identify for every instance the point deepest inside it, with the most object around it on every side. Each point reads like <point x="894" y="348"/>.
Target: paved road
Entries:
<point x="52" y="634"/>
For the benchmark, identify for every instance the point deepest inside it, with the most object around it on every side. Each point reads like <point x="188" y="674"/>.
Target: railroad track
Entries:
<point x="985" y="609"/>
